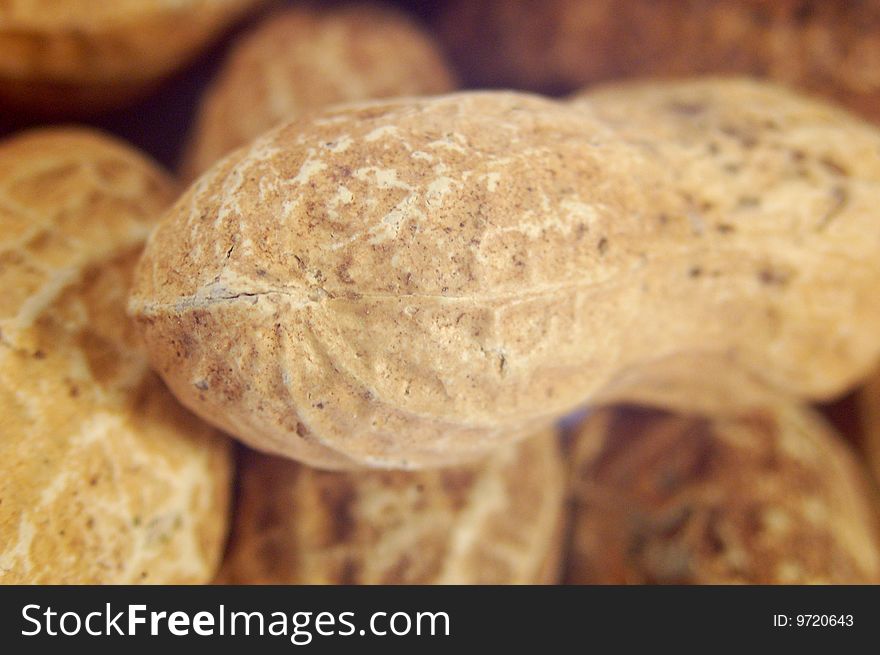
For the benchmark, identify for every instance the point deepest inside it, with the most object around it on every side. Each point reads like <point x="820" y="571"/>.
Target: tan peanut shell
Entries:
<point x="769" y="181"/>
<point x="305" y="58"/>
<point x="413" y="282"/>
<point x="85" y="55"/>
<point x="768" y="495"/>
<point x="104" y="477"/>
<point x="830" y="48"/>
<point x="497" y="522"/>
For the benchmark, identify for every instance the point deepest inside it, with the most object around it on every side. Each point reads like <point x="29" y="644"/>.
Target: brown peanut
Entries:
<point x="104" y="478"/>
<point x="413" y="282"/>
<point x="496" y="522"/>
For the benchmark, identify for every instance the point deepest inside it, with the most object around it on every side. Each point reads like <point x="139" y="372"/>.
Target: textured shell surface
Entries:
<point x="495" y="522"/>
<point x="370" y="284"/>
<point x="70" y="13"/>
<point x="764" y="495"/>
<point x="412" y="282"/>
<point x="73" y="57"/>
<point x="104" y="477"/>
<point x="304" y="58"/>
<point x="831" y="49"/>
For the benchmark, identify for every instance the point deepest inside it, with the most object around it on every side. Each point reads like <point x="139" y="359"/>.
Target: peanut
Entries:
<point x="304" y="58"/>
<point x="413" y="282"/>
<point x="496" y="522"/>
<point x="757" y="490"/>
<point x="104" y="478"/>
